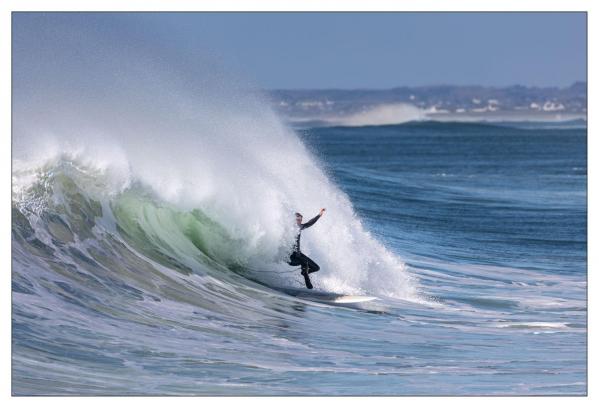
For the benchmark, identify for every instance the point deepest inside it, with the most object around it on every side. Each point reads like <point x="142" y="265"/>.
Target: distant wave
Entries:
<point x="381" y="115"/>
<point x="468" y="125"/>
<point x="437" y="125"/>
<point x="400" y="113"/>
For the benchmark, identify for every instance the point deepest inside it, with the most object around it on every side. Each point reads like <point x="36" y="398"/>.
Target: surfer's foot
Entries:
<point x="307" y="279"/>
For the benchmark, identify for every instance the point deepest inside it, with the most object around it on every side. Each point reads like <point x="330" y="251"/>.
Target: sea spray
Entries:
<point x="198" y="143"/>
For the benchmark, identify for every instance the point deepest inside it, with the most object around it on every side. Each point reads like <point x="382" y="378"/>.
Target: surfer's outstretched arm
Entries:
<point x="313" y="220"/>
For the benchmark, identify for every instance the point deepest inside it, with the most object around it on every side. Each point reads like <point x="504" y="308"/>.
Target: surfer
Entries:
<point x="297" y="258"/>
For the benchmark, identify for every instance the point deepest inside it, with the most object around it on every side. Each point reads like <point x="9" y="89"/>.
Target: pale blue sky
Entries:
<point x="380" y="50"/>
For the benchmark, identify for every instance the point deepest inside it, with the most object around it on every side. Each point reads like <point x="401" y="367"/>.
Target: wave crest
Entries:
<point x="70" y="202"/>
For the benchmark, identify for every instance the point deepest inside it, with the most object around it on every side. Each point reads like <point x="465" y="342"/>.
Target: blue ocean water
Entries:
<point x="472" y="237"/>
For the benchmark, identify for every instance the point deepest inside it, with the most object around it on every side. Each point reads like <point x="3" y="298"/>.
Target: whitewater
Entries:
<point x="153" y="201"/>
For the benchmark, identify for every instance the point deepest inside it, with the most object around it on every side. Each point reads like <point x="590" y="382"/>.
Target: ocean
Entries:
<point x="148" y="269"/>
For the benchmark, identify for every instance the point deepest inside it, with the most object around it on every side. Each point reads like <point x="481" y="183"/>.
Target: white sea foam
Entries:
<point x="386" y="114"/>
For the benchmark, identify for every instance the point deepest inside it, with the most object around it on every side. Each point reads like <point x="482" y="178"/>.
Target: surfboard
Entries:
<point x="318" y="296"/>
<point x="326" y="297"/>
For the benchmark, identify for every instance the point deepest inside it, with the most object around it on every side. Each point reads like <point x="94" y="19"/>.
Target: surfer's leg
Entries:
<point x="307" y="280"/>
<point x="294" y="259"/>
<point x="308" y="265"/>
<point x="311" y="266"/>
<point x="304" y="262"/>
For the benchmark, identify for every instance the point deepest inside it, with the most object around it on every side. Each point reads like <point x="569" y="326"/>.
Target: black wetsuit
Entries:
<point x="297" y="258"/>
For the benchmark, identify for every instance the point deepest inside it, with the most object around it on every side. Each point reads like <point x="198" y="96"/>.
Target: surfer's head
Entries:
<point x="298" y="218"/>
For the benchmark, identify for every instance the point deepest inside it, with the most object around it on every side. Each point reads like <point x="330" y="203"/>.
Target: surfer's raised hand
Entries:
<point x="322" y="211"/>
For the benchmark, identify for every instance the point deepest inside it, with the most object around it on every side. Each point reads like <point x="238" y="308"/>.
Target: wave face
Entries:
<point x="240" y="225"/>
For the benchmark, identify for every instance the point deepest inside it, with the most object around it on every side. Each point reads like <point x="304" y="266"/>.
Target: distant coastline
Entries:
<point x="365" y="107"/>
